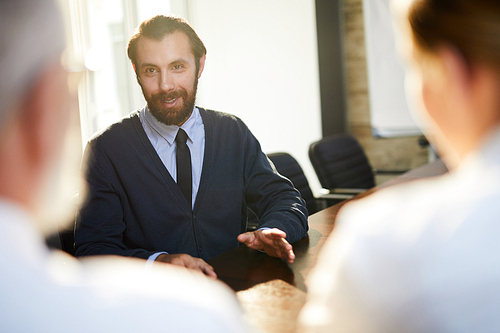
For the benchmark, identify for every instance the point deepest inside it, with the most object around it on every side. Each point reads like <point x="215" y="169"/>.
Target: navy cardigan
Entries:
<point x="135" y="208"/>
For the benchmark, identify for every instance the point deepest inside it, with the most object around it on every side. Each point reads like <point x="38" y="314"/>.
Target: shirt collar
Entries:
<point x="169" y="132"/>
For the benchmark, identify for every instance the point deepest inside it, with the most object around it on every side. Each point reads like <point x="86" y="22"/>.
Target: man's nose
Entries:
<point x="166" y="82"/>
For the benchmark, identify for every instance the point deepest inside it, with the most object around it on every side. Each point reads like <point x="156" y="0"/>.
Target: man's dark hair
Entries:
<point x="160" y="26"/>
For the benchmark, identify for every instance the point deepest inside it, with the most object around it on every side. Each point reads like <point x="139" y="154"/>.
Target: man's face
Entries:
<point x="167" y="74"/>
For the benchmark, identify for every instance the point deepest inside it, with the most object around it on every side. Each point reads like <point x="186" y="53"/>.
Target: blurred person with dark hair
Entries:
<point x="145" y="203"/>
<point x="50" y="291"/>
<point x="424" y="256"/>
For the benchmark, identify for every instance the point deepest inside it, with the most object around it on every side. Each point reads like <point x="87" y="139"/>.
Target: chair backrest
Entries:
<point x="288" y="166"/>
<point x="340" y="162"/>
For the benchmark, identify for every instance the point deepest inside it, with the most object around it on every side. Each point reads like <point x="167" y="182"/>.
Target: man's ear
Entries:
<point x="136" y="75"/>
<point x="456" y="68"/>
<point x="202" y="65"/>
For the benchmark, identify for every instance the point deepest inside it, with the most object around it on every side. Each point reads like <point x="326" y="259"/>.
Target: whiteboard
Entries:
<point x="389" y="112"/>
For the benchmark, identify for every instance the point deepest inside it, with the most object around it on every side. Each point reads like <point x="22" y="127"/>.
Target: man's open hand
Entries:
<point x="187" y="261"/>
<point x="271" y="241"/>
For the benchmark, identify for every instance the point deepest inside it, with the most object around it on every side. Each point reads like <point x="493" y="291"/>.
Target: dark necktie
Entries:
<point x="184" y="174"/>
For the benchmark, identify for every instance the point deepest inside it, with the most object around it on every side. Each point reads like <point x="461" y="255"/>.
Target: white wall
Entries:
<point x="262" y="65"/>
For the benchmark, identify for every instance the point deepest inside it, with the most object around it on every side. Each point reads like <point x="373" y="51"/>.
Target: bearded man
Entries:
<point x="172" y="182"/>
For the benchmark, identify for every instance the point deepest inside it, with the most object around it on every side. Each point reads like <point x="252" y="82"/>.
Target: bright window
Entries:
<point x="98" y="35"/>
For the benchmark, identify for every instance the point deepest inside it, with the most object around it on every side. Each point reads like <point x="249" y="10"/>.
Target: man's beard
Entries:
<point x="176" y="115"/>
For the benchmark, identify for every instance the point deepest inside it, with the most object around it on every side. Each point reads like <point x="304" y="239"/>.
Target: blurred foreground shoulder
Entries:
<point x="165" y="297"/>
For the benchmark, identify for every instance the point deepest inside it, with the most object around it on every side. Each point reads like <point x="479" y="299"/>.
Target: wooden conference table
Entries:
<point x="271" y="291"/>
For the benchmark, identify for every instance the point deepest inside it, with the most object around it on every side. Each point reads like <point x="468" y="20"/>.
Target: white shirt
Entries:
<point x="44" y="291"/>
<point x="419" y="257"/>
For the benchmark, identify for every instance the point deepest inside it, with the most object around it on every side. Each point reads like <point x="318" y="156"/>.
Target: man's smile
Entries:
<point x="170" y="101"/>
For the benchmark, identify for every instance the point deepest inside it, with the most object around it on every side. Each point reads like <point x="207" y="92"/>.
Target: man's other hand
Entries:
<point x="271" y="241"/>
<point x="187" y="261"/>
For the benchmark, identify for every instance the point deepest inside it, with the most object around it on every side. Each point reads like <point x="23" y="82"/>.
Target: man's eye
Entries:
<point x="177" y="67"/>
<point x="150" y="70"/>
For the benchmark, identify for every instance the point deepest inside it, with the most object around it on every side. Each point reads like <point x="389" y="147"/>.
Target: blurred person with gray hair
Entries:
<point x="43" y="290"/>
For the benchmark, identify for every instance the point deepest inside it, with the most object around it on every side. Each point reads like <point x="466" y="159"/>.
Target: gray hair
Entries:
<point x="31" y="37"/>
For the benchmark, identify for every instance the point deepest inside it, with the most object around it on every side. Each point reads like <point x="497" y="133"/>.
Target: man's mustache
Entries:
<point x="169" y="96"/>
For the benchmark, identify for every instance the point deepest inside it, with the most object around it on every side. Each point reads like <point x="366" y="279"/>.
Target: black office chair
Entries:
<point x="288" y="166"/>
<point x="341" y="165"/>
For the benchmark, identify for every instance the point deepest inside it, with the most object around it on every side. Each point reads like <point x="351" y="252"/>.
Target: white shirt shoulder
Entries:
<point x="50" y="291"/>
<point x="419" y="257"/>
